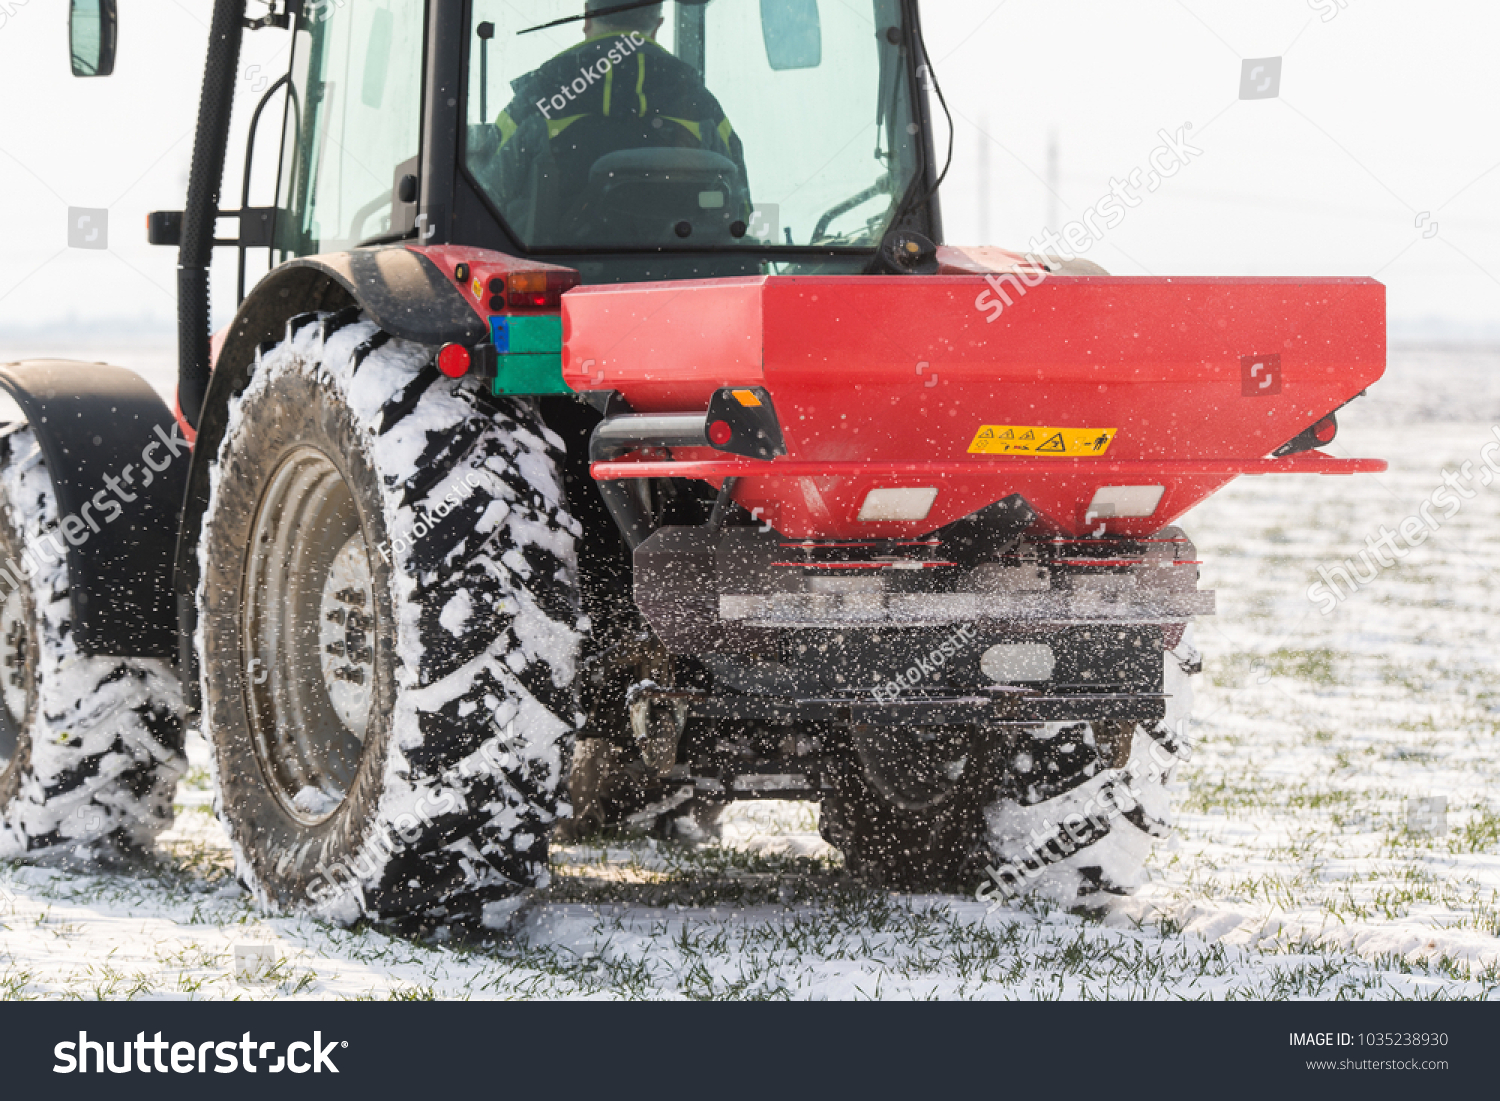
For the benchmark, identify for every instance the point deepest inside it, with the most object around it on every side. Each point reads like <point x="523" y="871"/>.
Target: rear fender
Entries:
<point x="118" y="464"/>
<point x="402" y="290"/>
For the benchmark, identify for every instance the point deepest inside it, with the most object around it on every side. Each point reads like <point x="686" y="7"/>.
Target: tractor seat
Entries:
<point x="662" y="196"/>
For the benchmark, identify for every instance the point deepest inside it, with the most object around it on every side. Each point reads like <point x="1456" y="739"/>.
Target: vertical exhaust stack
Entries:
<point x="202" y="209"/>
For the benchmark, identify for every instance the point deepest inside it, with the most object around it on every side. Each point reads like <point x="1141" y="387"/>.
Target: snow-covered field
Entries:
<point x="1295" y="872"/>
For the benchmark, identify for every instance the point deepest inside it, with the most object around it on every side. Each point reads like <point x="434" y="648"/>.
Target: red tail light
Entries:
<point x="536" y="290"/>
<point x="454" y="360"/>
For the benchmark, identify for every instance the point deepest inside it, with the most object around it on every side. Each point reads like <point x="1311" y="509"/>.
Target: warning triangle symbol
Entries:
<point x="1054" y="444"/>
<point x="987" y="434"/>
<point x="1029" y="436"/>
<point x="1010" y="434"/>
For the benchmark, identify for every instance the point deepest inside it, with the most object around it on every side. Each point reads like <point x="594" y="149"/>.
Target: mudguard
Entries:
<point x="403" y="291"/>
<point x="119" y="466"/>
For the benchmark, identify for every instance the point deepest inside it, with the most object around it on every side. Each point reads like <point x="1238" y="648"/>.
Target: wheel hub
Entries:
<point x="311" y="632"/>
<point x="348" y="653"/>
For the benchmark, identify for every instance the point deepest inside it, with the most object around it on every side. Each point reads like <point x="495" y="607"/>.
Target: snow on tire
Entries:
<point x="89" y="745"/>
<point x="1089" y="844"/>
<point x="388" y="632"/>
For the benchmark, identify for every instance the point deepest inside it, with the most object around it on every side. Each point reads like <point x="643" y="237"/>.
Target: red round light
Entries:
<point x="454" y="360"/>
<point x="1325" y="430"/>
<point x="719" y="433"/>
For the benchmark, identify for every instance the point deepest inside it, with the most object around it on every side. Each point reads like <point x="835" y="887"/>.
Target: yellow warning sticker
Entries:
<point x="1021" y="439"/>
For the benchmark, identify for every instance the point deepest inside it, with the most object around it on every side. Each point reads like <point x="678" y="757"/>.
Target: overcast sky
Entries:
<point x="1386" y="125"/>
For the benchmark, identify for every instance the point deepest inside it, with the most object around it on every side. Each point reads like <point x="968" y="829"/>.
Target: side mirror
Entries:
<point x="793" y="33"/>
<point x="92" y="26"/>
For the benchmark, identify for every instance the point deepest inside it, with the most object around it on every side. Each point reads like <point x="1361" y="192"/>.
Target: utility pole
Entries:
<point x="1054" y="180"/>
<point x="984" y="180"/>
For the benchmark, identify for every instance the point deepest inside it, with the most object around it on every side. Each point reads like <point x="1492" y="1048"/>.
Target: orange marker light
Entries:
<point x="747" y="398"/>
<point x="528" y="289"/>
<point x="539" y="290"/>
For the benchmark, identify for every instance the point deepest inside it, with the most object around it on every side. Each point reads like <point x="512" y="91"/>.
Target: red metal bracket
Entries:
<point x="1307" y="462"/>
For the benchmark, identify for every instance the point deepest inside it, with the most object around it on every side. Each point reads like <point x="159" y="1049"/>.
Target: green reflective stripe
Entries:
<point x="609" y="87"/>
<point x="691" y="127"/>
<point x="531" y="374"/>
<point x="557" y="126"/>
<point x="541" y="333"/>
<point x="725" y="131"/>
<point x="640" y="82"/>
<point x="507" y="127"/>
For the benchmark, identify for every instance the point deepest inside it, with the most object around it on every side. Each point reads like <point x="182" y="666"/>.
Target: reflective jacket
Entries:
<point x="610" y="92"/>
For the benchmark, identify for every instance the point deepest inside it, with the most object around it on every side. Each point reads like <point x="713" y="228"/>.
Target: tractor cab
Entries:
<point x="625" y="140"/>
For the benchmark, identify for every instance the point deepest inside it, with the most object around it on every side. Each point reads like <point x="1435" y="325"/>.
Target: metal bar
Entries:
<point x="1311" y="462"/>
<point x="624" y="433"/>
<point x="442" y="115"/>
<point x="1002" y="710"/>
<point x="260" y="107"/>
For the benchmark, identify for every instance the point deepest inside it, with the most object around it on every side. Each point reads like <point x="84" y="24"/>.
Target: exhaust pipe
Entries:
<point x="202" y="209"/>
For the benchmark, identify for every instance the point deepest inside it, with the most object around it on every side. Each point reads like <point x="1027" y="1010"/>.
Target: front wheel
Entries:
<point x="388" y="632"/>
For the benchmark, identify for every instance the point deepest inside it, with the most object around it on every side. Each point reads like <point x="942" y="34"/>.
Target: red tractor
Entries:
<point x="594" y="430"/>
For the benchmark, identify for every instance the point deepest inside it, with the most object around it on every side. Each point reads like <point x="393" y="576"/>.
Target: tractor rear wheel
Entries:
<point x="89" y="745"/>
<point x="1064" y="811"/>
<point x="906" y="807"/>
<point x="1086" y="804"/>
<point x="389" y="627"/>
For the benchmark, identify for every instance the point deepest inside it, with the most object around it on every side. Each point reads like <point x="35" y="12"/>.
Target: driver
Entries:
<point x="617" y="89"/>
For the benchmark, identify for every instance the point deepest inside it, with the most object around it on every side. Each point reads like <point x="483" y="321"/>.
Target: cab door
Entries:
<point x="352" y="136"/>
